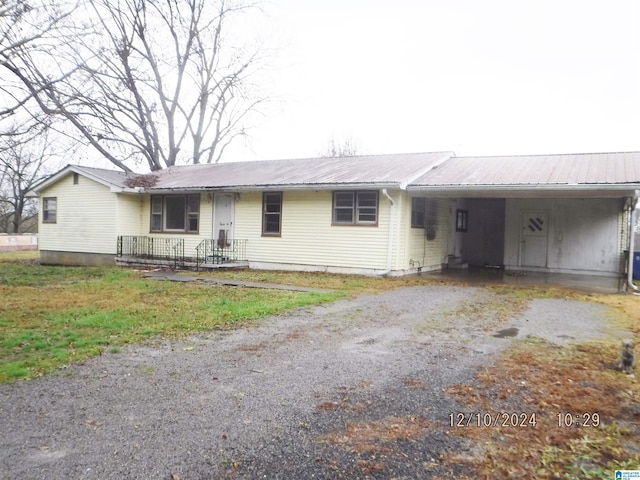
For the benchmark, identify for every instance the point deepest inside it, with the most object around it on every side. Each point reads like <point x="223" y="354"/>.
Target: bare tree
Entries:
<point x="157" y="82"/>
<point x="344" y="148"/>
<point x="25" y="150"/>
<point x="34" y="26"/>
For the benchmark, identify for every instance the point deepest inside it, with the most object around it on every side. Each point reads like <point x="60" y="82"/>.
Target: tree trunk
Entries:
<point x="17" y="216"/>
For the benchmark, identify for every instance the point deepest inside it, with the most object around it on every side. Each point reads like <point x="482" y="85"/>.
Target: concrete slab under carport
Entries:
<point x="481" y="276"/>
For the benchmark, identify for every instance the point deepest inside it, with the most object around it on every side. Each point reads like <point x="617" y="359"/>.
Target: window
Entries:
<point x="462" y="220"/>
<point x="418" y="212"/>
<point x="355" y="208"/>
<point x="175" y="213"/>
<point x="75" y="178"/>
<point x="156" y="214"/>
<point x="424" y="214"/>
<point x="271" y="213"/>
<point x="49" y="209"/>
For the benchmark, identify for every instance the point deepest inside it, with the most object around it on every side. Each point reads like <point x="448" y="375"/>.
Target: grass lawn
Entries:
<point x="50" y="316"/>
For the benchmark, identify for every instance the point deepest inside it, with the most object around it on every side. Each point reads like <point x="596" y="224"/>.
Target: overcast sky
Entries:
<point x="490" y="77"/>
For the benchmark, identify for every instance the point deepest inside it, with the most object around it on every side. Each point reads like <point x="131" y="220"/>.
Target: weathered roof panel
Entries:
<point x="115" y="178"/>
<point x="109" y="178"/>
<point x="383" y="170"/>
<point x="570" y="173"/>
<point x="535" y="170"/>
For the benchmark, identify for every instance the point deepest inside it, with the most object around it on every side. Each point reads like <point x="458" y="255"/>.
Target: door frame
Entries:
<point x="524" y="214"/>
<point x="232" y="197"/>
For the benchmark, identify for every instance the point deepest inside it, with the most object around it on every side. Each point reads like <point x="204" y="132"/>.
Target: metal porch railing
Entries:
<point x="218" y="251"/>
<point x="170" y="250"/>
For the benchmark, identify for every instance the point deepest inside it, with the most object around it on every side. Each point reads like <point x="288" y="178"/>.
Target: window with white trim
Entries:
<point x="175" y="213"/>
<point x="49" y="209"/>
<point x="355" y="207"/>
<point x="271" y="213"/>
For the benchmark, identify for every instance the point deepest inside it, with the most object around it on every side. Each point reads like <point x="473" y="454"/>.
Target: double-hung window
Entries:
<point x="355" y="207"/>
<point x="49" y="209"/>
<point x="418" y="212"/>
<point x="271" y="213"/>
<point x="175" y="213"/>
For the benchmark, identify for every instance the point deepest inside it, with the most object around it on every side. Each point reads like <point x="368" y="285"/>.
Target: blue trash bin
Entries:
<point x="636" y="265"/>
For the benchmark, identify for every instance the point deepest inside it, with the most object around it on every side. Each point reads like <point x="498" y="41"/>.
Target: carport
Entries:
<point x="547" y="214"/>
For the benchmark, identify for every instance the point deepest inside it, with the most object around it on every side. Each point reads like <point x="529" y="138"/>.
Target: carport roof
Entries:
<point x="597" y="169"/>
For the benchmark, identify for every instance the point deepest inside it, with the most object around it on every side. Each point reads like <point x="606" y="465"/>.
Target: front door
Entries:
<point x="223" y="219"/>
<point x="535" y="229"/>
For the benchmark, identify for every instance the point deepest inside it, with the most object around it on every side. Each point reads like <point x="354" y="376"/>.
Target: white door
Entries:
<point x="223" y="219"/>
<point x="535" y="230"/>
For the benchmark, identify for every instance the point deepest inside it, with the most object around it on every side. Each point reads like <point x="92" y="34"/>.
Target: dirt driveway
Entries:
<point x="352" y="389"/>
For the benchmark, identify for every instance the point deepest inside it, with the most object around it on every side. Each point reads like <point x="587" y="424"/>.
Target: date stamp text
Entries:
<point x="493" y="419"/>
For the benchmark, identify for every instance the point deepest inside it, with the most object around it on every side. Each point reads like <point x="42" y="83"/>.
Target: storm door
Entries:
<point x="535" y="230"/>
<point x="223" y="219"/>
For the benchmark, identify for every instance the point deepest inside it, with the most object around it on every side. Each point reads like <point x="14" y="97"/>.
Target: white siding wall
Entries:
<point x="308" y="238"/>
<point x="129" y="214"/>
<point x="430" y="254"/>
<point x="86" y="218"/>
<point x="583" y="233"/>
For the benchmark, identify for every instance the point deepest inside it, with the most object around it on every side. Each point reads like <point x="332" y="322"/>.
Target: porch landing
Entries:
<point x="190" y="264"/>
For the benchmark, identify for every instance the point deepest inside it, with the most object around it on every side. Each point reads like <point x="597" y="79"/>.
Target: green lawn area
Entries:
<point x="51" y="316"/>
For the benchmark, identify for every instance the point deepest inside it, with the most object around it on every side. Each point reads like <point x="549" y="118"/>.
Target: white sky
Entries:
<point x="490" y="77"/>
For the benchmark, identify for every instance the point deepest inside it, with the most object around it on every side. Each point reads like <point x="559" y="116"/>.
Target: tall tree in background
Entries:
<point x="36" y="26"/>
<point x="340" y="148"/>
<point x="156" y="82"/>
<point x="25" y="153"/>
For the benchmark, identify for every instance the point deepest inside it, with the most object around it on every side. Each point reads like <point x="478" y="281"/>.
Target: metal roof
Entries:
<point x="600" y="173"/>
<point x="535" y="170"/>
<point x="110" y="178"/>
<point x="393" y="170"/>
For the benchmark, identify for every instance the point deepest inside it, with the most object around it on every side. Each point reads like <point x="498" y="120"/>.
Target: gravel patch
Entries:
<point x="351" y="389"/>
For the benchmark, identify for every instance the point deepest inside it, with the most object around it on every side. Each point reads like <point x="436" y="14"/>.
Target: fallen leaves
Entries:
<point x="551" y="381"/>
<point x="378" y="434"/>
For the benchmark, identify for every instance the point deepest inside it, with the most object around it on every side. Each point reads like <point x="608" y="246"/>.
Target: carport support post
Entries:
<point x="631" y="205"/>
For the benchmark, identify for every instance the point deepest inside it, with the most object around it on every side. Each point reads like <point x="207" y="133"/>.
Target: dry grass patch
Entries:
<point x="414" y="384"/>
<point x="359" y="284"/>
<point x="555" y="384"/>
<point x="378" y="435"/>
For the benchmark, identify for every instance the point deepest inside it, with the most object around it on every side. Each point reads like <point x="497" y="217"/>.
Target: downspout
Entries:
<point x="391" y="227"/>
<point x="631" y="207"/>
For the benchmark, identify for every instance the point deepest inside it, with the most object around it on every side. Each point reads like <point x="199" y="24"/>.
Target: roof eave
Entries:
<point x="126" y="190"/>
<point x="271" y="187"/>
<point x="55" y="177"/>
<point x="618" y="190"/>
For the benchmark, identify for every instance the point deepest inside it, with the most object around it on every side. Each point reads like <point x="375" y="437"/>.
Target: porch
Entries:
<point x="137" y="250"/>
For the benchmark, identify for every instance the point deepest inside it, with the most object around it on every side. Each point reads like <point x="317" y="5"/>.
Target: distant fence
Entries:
<point x="12" y="243"/>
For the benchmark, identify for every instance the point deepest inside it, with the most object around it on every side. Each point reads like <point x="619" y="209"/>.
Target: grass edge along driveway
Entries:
<point x="51" y="316"/>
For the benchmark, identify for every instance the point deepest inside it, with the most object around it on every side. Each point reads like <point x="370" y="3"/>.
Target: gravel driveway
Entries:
<point x="352" y="389"/>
